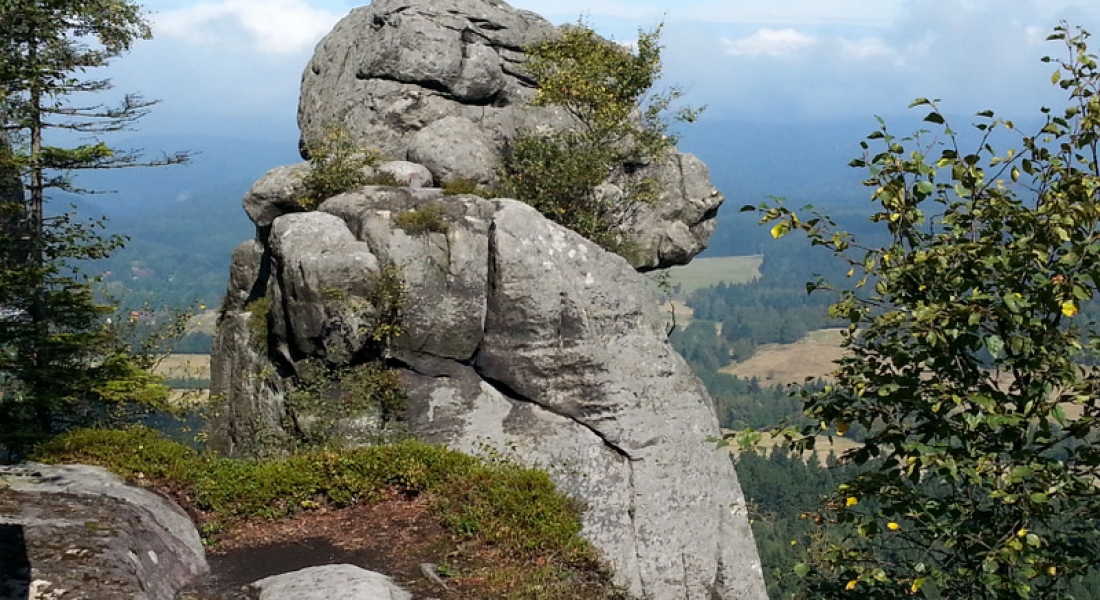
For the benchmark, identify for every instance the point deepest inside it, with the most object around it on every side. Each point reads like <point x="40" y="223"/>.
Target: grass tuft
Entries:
<point x="459" y="187"/>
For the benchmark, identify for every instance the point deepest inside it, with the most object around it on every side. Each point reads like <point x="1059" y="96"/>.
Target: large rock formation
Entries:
<point x="520" y="337"/>
<point x="441" y="83"/>
<point x="79" y="532"/>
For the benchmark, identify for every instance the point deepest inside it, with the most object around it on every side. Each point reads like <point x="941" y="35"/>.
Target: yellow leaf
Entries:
<point x="851" y="584"/>
<point x="841" y="427"/>
<point x="780" y="230"/>
<point x="892" y="526"/>
<point x="1052" y="571"/>
<point x="1069" y="308"/>
<point x="851" y="501"/>
<point x="916" y="585"/>
<point x="1021" y="533"/>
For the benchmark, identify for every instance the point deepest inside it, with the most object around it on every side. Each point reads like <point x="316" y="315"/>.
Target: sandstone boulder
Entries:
<point x="78" y="531"/>
<point x="453" y="148"/>
<point x="408" y="174"/>
<point x="393" y="67"/>
<point x="276" y="194"/>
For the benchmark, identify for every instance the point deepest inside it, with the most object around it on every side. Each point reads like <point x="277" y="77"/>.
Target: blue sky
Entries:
<point x="232" y="67"/>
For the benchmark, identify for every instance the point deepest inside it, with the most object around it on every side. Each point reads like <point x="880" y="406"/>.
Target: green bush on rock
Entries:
<point x="337" y="165"/>
<point x="620" y="127"/>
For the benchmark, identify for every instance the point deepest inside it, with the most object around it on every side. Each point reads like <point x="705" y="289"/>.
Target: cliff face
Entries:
<point x="520" y="337"/>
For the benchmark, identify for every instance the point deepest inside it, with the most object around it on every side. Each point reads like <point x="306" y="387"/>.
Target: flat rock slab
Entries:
<point x="78" y="532"/>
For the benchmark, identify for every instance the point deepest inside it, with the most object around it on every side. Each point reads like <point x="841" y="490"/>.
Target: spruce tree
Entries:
<point x="62" y="361"/>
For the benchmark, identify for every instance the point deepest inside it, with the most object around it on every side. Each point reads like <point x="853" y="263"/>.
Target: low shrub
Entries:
<point x="384" y="179"/>
<point x="137" y="453"/>
<point x="259" y="310"/>
<point x="510" y="534"/>
<point x="337" y="165"/>
<point x="329" y="397"/>
<point x="426" y="219"/>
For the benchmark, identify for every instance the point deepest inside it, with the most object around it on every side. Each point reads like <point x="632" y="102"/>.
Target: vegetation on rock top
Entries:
<point x="620" y="128"/>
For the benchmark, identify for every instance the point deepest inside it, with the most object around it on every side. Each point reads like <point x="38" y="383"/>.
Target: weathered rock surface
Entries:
<point x="521" y="336"/>
<point x="393" y="67"/>
<point x="441" y="83"/>
<point x="330" y="582"/>
<point x="454" y="148"/>
<point x="79" y="532"/>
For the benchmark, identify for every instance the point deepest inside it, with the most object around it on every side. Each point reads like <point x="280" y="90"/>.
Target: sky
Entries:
<point x="232" y="67"/>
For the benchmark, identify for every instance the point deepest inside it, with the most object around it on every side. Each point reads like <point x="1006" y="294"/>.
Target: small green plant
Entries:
<point x="462" y="187"/>
<point x="336" y="166"/>
<point x="426" y="219"/>
<point x="259" y="313"/>
<point x="388" y="299"/>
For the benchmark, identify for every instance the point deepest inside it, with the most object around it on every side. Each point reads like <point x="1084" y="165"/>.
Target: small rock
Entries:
<point x="330" y="582"/>
<point x="409" y="174"/>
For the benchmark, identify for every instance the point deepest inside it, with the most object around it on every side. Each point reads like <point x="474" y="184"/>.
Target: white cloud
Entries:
<point x="769" y="42"/>
<point x="866" y="49"/>
<point x="280" y="27"/>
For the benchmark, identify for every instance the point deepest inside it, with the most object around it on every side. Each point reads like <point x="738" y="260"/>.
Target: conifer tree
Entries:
<point x="60" y="358"/>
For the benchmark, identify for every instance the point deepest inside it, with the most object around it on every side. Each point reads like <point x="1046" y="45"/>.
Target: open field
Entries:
<point x="707" y="272"/>
<point x="185" y="366"/>
<point x="812" y="356"/>
<point x="678" y="310"/>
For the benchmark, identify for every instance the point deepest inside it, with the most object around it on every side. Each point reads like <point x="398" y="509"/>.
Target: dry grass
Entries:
<point x="675" y="311"/>
<point x="811" y="357"/>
